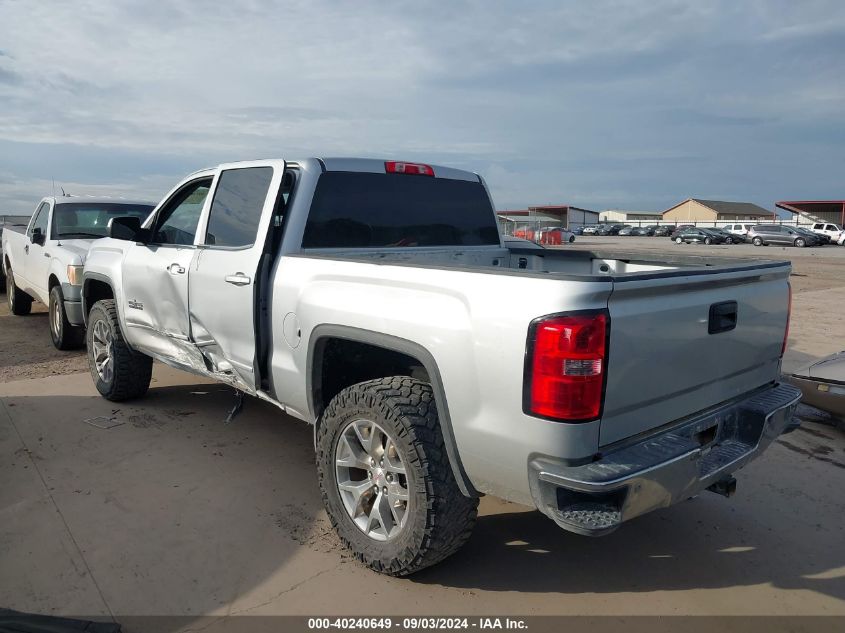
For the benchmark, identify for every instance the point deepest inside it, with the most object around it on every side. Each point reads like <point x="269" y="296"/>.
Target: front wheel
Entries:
<point x="708" y="241"/>
<point x="385" y="477"/>
<point x="64" y="335"/>
<point x="679" y="240"/>
<point x="118" y="372"/>
<point x="571" y="239"/>
<point x="800" y="242"/>
<point x="20" y="303"/>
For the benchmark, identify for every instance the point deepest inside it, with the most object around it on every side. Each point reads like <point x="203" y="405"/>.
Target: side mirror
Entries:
<point x="127" y="228"/>
<point x="38" y="237"/>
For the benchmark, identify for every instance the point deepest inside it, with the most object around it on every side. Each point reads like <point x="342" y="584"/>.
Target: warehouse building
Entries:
<point x="544" y="217"/>
<point x="622" y="215"/>
<point x="810" y="211"/>
<point x="697" y="210"/>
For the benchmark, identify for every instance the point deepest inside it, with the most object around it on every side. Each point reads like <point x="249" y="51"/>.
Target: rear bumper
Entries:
<point x="655" y="472"/>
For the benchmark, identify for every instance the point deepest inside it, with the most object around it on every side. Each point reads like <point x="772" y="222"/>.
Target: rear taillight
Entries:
<point x="566" y="365"/>
<point x="398" y="167"/>
<point x="788" y="318"/>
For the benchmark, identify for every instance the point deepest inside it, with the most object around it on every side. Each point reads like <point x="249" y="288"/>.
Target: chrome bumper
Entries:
<point x="659" y="470"/>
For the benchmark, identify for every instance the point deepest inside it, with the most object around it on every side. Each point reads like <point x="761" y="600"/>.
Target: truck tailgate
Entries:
<point x="665" y="364"/>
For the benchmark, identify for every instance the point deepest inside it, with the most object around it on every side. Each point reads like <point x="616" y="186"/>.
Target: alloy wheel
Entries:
<point x="372" y="480"/>
<point x="101" y="343"/>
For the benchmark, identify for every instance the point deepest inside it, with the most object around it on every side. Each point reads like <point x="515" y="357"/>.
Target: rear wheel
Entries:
<point x="708" y="241"/>
<point x="64" y="335"/>
<point x="571" y="239"/>
<point x="800" y="242"/>
<point x="679" y="240"/>
<point x="20" y="303"/>
<point x="757" y="241"/>
<point x="118" y="372"/>
<point x="385" y="477"/>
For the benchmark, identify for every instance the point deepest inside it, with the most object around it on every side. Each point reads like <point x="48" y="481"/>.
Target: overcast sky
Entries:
<point x="624" y="104"/>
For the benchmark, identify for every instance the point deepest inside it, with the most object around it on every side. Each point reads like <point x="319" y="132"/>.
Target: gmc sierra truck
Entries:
<point x="437" y="360"/>
<point x="43" y="260"/>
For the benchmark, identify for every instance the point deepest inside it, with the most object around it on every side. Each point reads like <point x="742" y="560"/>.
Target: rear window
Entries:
<point x="365" y="210"/>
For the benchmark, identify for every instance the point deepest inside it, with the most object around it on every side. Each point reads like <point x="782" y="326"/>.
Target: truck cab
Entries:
<point x="43" y="260"/>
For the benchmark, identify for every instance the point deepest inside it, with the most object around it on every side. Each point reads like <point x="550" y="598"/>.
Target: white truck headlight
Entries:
<point x="74" y="275"/>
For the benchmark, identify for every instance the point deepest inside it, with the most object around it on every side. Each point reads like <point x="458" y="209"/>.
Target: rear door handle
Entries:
<point x="176" y="269"/>
<point x="26" y="249"/>
<point x="238" y="279"/>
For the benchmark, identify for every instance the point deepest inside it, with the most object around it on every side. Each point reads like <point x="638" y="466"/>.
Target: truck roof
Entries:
<point x="95" y="199"/>
<point x="366" y="165"/>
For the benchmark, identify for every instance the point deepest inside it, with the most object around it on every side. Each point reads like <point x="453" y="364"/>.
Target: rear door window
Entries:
<point x="370" y="210"/>
<point x="236" y="209"/>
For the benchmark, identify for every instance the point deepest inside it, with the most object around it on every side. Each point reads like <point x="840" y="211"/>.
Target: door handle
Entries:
<point x="26" y="249"/>
<point x="176" y="269"/>
<point x="238" y="279"/>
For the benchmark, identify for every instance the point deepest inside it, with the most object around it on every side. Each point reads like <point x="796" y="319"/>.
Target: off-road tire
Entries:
<point x="20" y="303"/>
<point x="132" y="371"/>
<point x="63" y="334"/>
<point x="440" y="517"/>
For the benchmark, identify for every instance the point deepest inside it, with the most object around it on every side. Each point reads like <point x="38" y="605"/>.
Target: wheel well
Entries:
<point x="339" y="363"/>
<point x="52" y="281"/>
<point x="95" y="291"/>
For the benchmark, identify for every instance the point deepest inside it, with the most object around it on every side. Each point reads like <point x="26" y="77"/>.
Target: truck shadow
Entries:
<point x="178" y="513"/>
<point x="706" y="543"/>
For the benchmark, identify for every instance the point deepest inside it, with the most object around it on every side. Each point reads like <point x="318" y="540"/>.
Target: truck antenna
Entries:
<point x="54" y="186"/>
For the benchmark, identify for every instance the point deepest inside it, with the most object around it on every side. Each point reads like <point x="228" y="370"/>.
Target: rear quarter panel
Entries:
<point x="474" y="325"/>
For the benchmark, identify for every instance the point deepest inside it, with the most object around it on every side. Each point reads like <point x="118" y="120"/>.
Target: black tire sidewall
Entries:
<point x="61" y="339"/>
<point x="412" y="535"/>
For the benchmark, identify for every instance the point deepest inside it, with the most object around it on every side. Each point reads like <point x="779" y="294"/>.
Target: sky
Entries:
<point x="604" y="104"/>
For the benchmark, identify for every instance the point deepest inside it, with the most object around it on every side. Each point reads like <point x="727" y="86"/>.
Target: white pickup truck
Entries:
<point x="377" y="301"/>
<point x="43" y="260"/>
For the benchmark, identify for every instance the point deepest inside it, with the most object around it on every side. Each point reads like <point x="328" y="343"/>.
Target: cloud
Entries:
<point x="618" y="103"/>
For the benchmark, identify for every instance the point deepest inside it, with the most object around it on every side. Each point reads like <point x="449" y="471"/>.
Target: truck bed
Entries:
<point x="664" y="364"/>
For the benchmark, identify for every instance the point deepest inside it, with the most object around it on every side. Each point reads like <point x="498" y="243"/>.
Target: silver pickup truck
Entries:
<point x="377" y="301"/>
<point x="42" y="259"/>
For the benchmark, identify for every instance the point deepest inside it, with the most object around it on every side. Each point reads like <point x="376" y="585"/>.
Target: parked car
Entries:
<point x="663" y="230"/>
<point x="590" y="229"/>
<point x="644" y="231"/>
<point x="43" y="260"/>
<point x="694" y="235"/>
<point x="833" y="231"/>
<point x="766" y="234"/>
<point x="822" y="383"/>
<point x="376" y="328"/>
<point x="577" y="230"/>
<point x="609" y="229"/>
<point x="19" y="221"/>
<point x="730" y="238"/>
<point x="841" y="240"/>
<point x="554" y="237"/>
<point x="677" y="230"/>
<point x="820" y="239"/>
<point x="626" y="230"/>
<point x="740" y="229"/>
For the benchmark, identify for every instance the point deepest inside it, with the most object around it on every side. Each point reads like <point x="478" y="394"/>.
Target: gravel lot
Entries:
<point x="175" y="512"/>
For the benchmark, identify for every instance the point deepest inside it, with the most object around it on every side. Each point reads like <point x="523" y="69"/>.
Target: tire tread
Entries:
<point x="450" y="516"/>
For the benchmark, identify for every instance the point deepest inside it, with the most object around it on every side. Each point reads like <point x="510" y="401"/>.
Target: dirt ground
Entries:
<point x="172" y="511"/>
